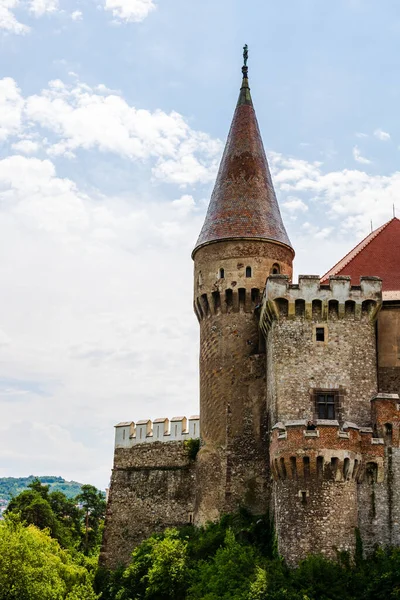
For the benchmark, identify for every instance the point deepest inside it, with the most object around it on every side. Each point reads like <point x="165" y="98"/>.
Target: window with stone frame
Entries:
<point x="326" y="404"/>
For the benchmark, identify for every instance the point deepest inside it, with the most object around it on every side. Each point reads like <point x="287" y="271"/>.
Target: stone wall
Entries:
<point x="232" y="464"/>
<point x="317" y="475"/>
<point x="298" y="364"/>
<point x="152" y="487"/>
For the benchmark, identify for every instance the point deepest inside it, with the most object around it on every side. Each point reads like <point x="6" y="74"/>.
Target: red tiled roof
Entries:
<point x="377" y="255"/>
<point x="243" y="203"/>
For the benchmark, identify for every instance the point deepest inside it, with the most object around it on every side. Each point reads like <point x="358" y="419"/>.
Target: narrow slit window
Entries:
<point x="320" y="334"/>
<point x="248" y="271"/>
<point x="222" y="273"/>
<point x="304" y="497"/>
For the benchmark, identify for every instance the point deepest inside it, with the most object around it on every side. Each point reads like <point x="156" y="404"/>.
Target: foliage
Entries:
<point x="75" y="523"/>
<point x="192" y="446"/>
<point x="12" y="486"/>
<point x="235" y="559"/>
<point x="34" y="567"/>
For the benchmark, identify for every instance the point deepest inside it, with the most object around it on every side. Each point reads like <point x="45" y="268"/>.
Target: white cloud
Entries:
<point x="359" y="158"/>
<point x="347" y="198"/>
<point x="8" y="21"/>
<point x="11" y="105"/>
<point x="77" y="15"/>
<point x="293" y="204"/>
<point x="382" y="135"/>
<point x="41" y="7"/>
<point x="130" y="10"/>
<point x="26" y="147"/>
<point x="96" y="271"/>
<point x="82" y="117"/>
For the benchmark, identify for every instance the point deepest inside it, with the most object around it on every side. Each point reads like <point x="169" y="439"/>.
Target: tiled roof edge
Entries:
<point x="343" y="262"/>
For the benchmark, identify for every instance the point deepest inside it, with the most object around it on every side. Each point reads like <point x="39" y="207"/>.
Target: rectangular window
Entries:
<point x="319" y="334"/>
<point x="326" y="405"/>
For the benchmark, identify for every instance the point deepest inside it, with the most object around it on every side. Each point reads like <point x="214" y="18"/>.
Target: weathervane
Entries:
<point x="245" y="54"/>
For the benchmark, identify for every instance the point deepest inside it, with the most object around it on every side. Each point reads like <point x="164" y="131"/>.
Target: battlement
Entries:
<point x="312" y="300"/>
<point x="328" y="451"/>
<point x="128" y="434"/>
<point x="229" y="301"/>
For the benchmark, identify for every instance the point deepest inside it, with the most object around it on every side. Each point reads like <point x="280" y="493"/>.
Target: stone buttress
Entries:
<point x="243" y="239"/>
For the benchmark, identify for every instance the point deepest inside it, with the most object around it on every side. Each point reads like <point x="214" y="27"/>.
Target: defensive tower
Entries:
<point x="321" y="367"/>
<point x="243" y="239"/>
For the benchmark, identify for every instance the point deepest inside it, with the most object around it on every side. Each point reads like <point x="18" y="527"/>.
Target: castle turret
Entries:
<point x="242" y="241"/>
<point x="321" y="369"/>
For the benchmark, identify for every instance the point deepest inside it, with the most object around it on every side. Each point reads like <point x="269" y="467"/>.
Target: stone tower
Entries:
<point x="321" y="366"/>
<point x="242" y="241"/>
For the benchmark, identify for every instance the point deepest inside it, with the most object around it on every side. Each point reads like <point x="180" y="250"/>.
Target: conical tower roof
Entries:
<point x="243" y="203"/>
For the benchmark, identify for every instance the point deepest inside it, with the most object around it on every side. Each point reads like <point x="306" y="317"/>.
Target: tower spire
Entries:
<point x="243" y="203"/>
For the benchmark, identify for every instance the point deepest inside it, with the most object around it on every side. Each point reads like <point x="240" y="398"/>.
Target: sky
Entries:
<point x="113" y="117"/>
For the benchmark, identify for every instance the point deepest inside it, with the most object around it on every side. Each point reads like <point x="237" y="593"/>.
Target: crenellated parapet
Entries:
<point x="311" y="300"/>
<point x="129" y="433"/>
<point x="230" y="300"/>
<point x="327" y="452"/>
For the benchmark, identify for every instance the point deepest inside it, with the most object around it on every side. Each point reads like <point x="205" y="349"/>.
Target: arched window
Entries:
<point x="248" y="271"/>
<point x="221" y="273"/>
<point x="275" y="269"/>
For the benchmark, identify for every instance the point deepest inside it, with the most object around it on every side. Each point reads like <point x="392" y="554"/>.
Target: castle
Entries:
<point x="273" y="356"/>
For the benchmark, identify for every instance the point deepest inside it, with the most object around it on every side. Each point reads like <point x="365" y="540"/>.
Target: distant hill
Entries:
<point x="12" y="486"/>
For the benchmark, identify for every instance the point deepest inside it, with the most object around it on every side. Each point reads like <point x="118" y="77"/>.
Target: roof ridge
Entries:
<point x="355" y="251"/>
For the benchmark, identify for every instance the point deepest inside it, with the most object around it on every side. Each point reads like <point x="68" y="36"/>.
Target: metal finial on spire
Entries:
<point x="245" y="54"/>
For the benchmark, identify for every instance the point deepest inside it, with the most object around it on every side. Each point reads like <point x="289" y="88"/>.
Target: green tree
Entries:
<point x="228" y="576"/>
<point x="34" y="567"/>
<point x="94" y="508"/>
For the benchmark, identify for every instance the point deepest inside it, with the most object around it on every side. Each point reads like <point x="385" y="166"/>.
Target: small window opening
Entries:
<point x="123" y="434"/>
<point x="283" y="468"/>
<point x="140" y="434"/>
<point x="248" y="271"/>
<point x="222" y="273"/>
<point x="320" y="334"/>
<point x="190" y="518"/>
<point x="275" y="269"/>
<point x="176" y="430"/>
<point x="194" y="428"/>
<point x="304" y="497"/>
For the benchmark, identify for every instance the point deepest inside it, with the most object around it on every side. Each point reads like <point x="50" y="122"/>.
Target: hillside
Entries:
<point x="12" y="486"/>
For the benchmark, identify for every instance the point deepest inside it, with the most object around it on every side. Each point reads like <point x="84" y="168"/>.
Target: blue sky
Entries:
<point x="113" y="116"/>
